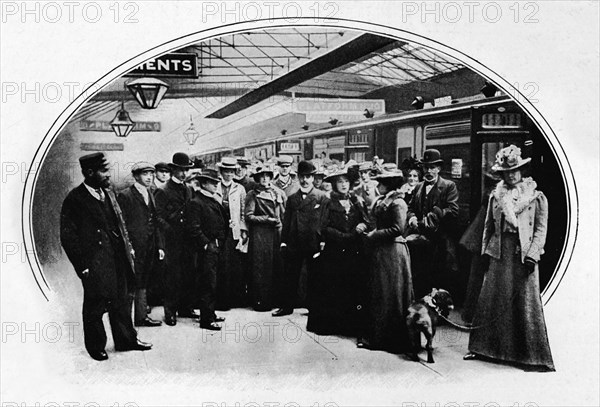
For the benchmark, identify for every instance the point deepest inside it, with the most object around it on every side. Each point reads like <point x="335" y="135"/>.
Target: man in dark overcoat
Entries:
<point x="139" y="211"/>
<point x="208" y="228"/>
<point x="95" y="239"/>
<point x="432" y="213"/>
<point x="300" y="237"/>
<point x="171" y="201"/>
<point x="242" y="176"/>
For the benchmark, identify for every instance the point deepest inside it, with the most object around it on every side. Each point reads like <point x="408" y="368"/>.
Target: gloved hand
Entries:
<point x="530" y="265"/>
<point x="361" y="228"/>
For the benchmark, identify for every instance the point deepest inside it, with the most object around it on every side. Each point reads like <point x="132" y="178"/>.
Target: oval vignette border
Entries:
<point x="378" y="29"/>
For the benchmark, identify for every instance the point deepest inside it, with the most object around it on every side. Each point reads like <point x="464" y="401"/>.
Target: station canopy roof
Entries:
<point x="241" y="72"/>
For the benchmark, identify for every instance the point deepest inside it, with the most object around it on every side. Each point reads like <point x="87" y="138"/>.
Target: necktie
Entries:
<point x="100" y="194"/>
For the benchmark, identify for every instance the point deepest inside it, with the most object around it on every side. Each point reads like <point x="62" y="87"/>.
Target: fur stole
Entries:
<point x="514" y="200"/>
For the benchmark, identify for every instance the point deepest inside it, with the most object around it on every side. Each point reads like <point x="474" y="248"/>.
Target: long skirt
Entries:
<point x="265" y="264"/>
<point x="390" y="295"/>
<point x="510" y="312"/>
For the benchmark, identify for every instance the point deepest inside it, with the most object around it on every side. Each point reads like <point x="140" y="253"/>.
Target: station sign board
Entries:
<point x="104" y="126"/>
<point x="176" y="65"/>
<point x="344" y="110"/>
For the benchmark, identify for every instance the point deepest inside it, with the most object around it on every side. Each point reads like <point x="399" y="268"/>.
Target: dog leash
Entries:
<point x="473" y="328"/>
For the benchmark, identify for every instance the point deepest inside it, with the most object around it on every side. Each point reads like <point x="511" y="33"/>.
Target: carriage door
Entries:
<point x="493" y="128"/>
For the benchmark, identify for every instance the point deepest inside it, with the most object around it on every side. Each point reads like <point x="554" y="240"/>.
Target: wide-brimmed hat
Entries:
<point x="162" y="166"/>
<point x="94" y="161"/>
<point x="265" y="169"/>
<point x="194" y="174"/>
<point x="284" y="160"/>
<point x="331" y="177"/>
<point x="509" y="158"/>
<point x="366" y="166"/>
<point x="431" y="156"/>
<point x="228" y="163"/>
<point x="181" y="160"/>
<point x="209" y="174"/>
<point x="306" y="168"/>
<point x="141" y="167"/>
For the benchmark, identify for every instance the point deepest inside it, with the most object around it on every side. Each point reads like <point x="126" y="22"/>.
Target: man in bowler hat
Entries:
<point x="139" y="211"/>
<point x="171" y="202"/>
<point x="300" y="237"/>
<point x="95" y="239"/>
<point x="208" y="227"/>
<point x="432" y="213"/>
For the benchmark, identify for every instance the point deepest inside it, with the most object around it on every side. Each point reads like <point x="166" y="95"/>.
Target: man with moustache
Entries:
<point x="139" y="211"/>
<point x="300" y="237"/>
<point x="95" y="239"/>
<point x="432" y="213"/>
<point x="171" y="202"/>
<point x="285" y="180"/>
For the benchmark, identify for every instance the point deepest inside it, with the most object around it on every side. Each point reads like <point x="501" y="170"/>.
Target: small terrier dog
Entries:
<point x="423" y="317"/>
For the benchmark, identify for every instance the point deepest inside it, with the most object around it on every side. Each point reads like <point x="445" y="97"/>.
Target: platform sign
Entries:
<point x="179" y="65"/>
<point x="344" y="110"/>
<point x="101" y="146"/>
<point x="104" y="126"/>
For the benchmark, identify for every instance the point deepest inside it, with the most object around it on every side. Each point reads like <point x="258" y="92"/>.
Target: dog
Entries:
<point x="423" y="317"/>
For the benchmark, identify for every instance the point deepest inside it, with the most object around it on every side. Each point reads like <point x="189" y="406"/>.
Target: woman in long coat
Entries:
<point x="336" y="307"/>
<point x="390" y="282"/>
<point x="510" y="306"/>
<point x="264" y="210"/>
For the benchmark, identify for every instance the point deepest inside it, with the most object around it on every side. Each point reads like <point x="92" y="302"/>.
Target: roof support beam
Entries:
<point x="354" y="49"/>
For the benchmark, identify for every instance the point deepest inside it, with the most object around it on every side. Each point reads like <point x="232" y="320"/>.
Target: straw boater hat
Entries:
<point x="141" y="167"/>
<point x="265" y="169"/>
<point x="181" y="160"/>
<point x="209" y="174"/>
<point x="508" y="159"/>
<point x="228" y="163"/>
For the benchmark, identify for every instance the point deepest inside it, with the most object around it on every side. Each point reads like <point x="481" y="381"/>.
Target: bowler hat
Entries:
<point x="141" y="167"/>
<point x="181" y="160"/>
<point x="508" y="159"/>
<point x="431" y="156"/>
<point x="228" y="163"/>
<point x="94" y="161"/>
<point x="209" y="174"/>
<point x="162" y="166"/>
<point x="306" y="168"/>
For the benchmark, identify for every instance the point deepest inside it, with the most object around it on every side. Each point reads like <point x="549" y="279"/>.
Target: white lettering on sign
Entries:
<point x="339" y="105"/>
<point x="290" y="147"/>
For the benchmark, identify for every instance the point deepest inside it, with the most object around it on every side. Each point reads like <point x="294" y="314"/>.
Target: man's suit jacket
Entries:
<point x="141" y="221"/>
<point x="302" y="221"/>
<point x="206" y="221"/>
<point x="290" y="188"/>
<point x="171" y="201"/>
<point x="88" y="235"/>
<point x="443" y="194"/>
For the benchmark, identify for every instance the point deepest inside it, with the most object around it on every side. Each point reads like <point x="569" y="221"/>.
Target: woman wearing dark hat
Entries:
<point x="337" y="298"/>
<point x="510" y="304"/>
<point x="264" y="209"/>
<point x="390" y="282"/>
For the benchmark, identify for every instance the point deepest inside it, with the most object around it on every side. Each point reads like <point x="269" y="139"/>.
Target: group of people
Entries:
<point x="369" y="237"/>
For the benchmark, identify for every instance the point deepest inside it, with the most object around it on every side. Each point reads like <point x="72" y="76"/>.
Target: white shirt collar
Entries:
<point x="94" y="192"/>
<point x="206" y="193"/>
<point x="306" y="190"/>
<point x="142" y="190"/>
<point x="176" y="180"/>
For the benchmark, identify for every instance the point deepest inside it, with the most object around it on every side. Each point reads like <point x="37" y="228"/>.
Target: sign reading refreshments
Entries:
<point x="101" y="146"/>
<point x="102" y="125"/>
<point x="169" y="65"/>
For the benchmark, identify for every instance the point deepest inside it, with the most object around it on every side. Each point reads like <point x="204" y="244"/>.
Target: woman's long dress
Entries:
<point x="264" y="215"/>
<point x="337" y="300"/>
<point x="510" y="306"/>
<point x="390" y="282"/>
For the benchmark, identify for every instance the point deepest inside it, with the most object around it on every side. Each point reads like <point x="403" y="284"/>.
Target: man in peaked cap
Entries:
<point x="300" y="237"/>
<point x="285" y="180"/>
<point x="161" y="175"/>
<point x="432" y="213"/>
<point x="208" y="227"/>
<point x="95" y="239"/>
<point x="139" y="211"/>
<point x="171" y="202"/>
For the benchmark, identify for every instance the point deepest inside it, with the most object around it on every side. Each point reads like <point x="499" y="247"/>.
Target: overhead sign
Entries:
<point x="101" y="146"/>
<point x="168" y="66"/>
<point x="345" y="110"/>
<point x="102" y="125"/>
